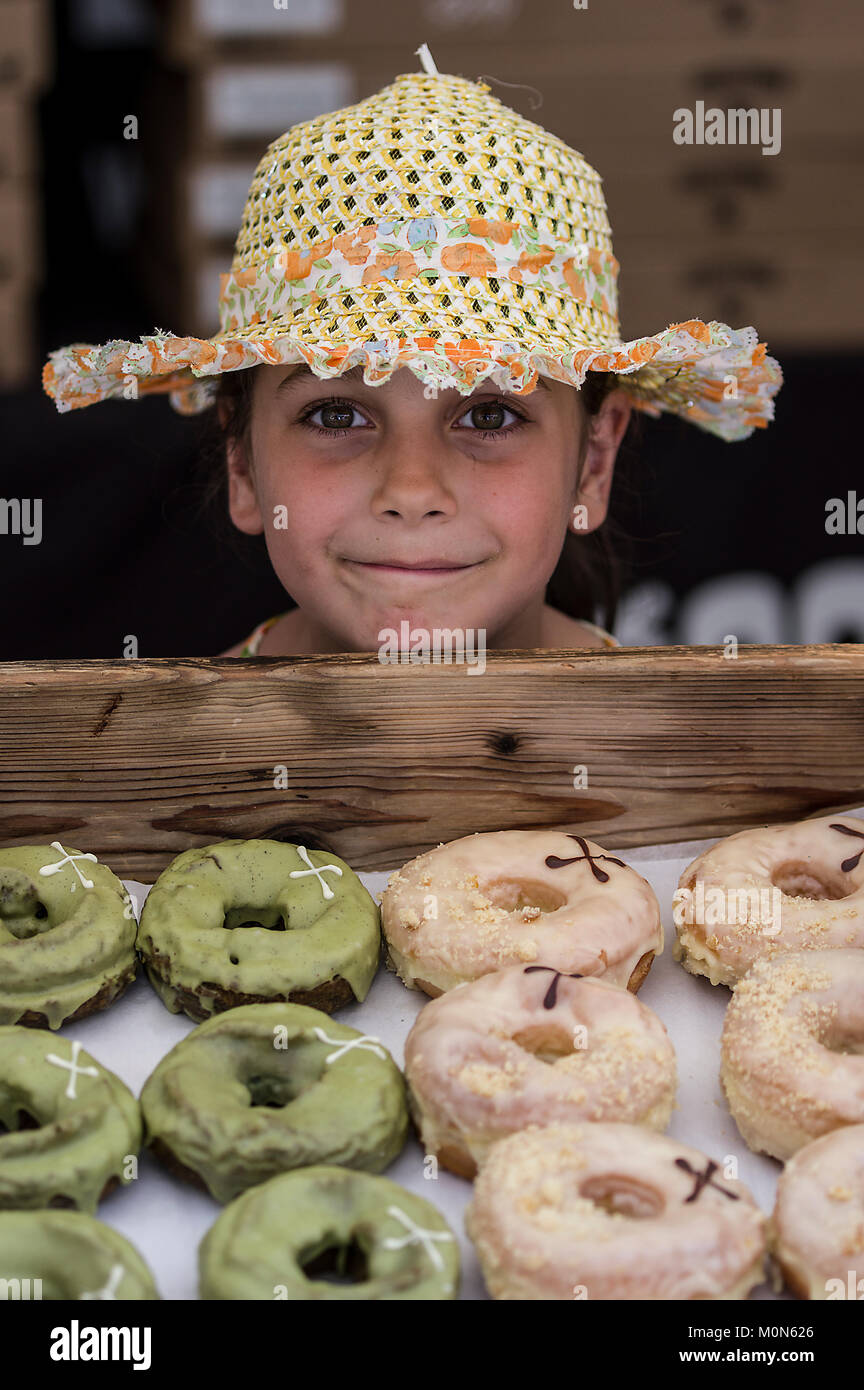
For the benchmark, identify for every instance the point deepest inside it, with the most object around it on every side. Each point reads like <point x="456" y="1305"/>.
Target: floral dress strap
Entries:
<point x="253" y="642"/>
<point x="608" y="639"/>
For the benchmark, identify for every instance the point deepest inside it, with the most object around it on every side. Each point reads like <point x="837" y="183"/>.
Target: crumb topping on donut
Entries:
<point x="549" y="1212"/>
<point x="765" y="995"/>
<point x="787" y="1038"/>
<point x="854" y="1243"/>
<point x="482" y="1079"/>
<point x="531" y="1175"/>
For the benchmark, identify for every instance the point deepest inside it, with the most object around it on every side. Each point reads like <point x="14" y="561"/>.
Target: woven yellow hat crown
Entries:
<point x="434" y="155"/>
<point x="432" y="227"/>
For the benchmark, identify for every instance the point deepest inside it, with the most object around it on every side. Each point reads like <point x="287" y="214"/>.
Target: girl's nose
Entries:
<point x="411" y="483"/>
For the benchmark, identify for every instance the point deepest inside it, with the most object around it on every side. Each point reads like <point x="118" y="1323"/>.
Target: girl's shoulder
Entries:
<point x="606" y="638"/>
<point x="560" y="630"/>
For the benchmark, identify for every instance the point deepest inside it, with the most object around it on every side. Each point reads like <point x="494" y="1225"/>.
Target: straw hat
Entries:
<point x="432" y="227"/>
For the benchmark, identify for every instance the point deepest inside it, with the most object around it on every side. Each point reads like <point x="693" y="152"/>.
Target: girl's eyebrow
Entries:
<point x="302" y="373"/>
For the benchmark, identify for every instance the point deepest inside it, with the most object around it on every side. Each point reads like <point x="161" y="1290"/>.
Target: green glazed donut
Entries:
<point x="255" y="921"/>
<point x="73" y="1255"/>
<point x="67" y="935"/>
<point x="280" y="1240"/>
<point x="267" y="1087"/>
<point x="72" y="1124"/>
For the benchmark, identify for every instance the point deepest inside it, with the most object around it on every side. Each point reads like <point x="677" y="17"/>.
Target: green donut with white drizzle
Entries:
<point x="69" y="1255"/>
<point x="282" y="1239"/>
<point x="269" y="1087"/>
<point x="67" y="935"/>
<point x="257" y="922"/>
<point x="72" y="1124"/>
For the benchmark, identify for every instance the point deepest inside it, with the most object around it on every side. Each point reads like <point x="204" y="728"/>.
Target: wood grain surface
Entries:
<point x="137" y="760"/>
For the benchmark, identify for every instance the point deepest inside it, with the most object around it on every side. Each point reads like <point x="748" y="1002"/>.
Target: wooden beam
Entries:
<point x="137" y="760"/>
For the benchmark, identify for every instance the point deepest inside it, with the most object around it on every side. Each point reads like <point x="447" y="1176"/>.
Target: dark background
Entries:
<point x="128" y="548"/>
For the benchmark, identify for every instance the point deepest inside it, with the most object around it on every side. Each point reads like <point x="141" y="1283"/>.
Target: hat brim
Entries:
<point x="714" y="376"/>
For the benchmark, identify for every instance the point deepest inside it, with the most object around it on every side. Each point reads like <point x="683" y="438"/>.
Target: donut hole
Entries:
<point x="22" y="920"/>
<point x="519" y="894"/>
<point x="270" y="918"/>
<point x="274" y="1076"/>
<point x="342" y="1262"/>
<point x="847" y="1041"/>
<point x="621" y="1195"/>
<point x="799" y="880"/>
<point x="546" y="1041"/>
<point x="21" y="1120"/>
<point x="274" y="1092"/>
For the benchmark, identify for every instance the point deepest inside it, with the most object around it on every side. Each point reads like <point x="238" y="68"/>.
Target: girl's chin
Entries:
<point x="398" y="632"/>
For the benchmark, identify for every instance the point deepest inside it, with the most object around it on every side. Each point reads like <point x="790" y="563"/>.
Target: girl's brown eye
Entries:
<point x="335" y="416"/>
<point x="489" y="415"/>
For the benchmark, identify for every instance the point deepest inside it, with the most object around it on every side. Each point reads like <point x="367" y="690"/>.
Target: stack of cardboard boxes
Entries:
<point x="716" y="213"/>
<point x="24" y="70"/>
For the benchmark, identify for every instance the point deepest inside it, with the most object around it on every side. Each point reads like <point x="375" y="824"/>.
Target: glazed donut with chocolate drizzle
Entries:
<point x="791" y="1044"/>
<point x="614" y="1212"/>
<point x="530" y="1045"/>
<point x="766" y="891"/>
<point x="519" y="897"/>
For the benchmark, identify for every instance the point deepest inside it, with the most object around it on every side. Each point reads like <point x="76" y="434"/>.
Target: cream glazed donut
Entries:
<point x="774" y="889"/>
<point x="792" y="1037"/>
<point x="816" y="1231"/>
<point x="611" y="1211"/>
<point x="528" y="1045"/>
<point x="519" y="897"/>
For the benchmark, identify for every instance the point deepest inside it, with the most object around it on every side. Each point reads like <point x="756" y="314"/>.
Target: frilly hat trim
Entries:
<point x="715" y="376"/>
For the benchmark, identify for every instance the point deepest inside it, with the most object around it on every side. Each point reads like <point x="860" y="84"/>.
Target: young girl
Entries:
<point x="419" y="374"/>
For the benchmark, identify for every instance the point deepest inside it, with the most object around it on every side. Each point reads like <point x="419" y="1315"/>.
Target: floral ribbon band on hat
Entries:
<point x="431" y="227"/>
<point x="425" y="248"/>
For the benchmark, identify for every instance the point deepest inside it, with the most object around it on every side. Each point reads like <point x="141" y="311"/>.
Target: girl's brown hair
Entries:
<point x="588" y="578"/>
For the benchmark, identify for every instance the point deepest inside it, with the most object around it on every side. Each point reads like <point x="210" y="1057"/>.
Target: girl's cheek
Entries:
<point x="304" y="521"/>
<point x="530" y="518"/>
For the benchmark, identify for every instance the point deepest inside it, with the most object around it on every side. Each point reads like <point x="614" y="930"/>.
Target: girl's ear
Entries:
<point x="606" y="429"/>
<point x="242" y="497"/>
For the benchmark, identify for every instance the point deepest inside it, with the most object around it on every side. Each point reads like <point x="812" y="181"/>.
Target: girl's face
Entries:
<point x="381" y="504"/>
